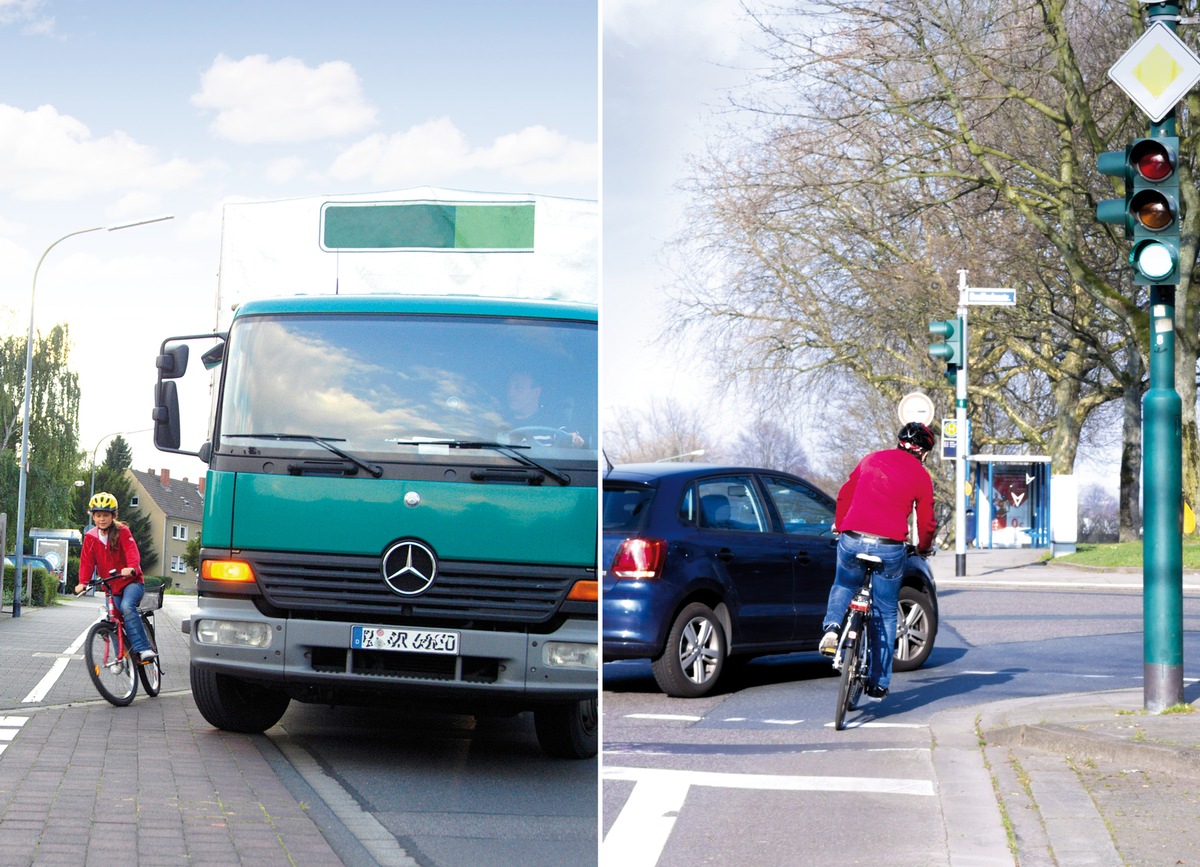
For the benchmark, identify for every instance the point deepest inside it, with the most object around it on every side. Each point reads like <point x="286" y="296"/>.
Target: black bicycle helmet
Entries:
<point x="915" y="437"/>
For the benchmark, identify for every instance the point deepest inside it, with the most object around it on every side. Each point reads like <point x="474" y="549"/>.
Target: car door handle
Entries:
<point x="803" y="558"/>
<point x="724" y="555"/>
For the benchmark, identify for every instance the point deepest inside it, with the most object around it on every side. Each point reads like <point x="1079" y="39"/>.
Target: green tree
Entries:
<point x="54" y="454"/>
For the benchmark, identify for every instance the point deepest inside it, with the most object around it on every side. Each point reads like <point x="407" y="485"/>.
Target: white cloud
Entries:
<point x="285" y="170"/>
<point x="259" y="100"/>
<point x="47" y="156"/>
<point x="436" y="151"/>
<point x="710" y="28"/>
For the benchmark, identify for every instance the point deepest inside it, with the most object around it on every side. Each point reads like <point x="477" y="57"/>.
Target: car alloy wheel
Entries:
<point x="694" y="655"/>
<point x="915" y="629"/>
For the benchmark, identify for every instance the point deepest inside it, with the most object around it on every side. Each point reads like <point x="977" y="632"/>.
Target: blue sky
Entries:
<point x="111" y="112"/>
<point x="669" y="66"/>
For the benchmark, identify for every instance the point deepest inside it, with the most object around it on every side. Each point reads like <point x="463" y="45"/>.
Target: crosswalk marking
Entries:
<point x="9" y="726"/>
<point x="640" y="832"/>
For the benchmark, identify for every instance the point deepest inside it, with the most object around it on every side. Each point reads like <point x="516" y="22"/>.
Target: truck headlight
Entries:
<point x="565" y="654"/>
<point x="234" y="633"/>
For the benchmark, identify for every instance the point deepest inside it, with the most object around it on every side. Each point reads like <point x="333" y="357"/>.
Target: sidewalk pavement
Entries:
<point x="1082" y="779"/>
<point x="84" y="783"/>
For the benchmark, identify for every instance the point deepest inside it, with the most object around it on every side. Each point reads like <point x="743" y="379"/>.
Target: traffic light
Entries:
<point x="1150" y="212"/>
<point x="951" y="349"/>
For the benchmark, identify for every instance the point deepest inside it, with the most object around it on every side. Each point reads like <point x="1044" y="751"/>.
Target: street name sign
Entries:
<point x="1157" y="71"/>
<point x="994" y="297"/>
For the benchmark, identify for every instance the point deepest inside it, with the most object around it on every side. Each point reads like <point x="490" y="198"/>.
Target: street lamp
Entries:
<point x="92" y="491"/>
<point x="694" y="454"/>
<point x="19" y="590"/>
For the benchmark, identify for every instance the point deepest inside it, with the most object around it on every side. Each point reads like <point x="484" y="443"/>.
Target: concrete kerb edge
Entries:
<point x="1022" y="723"/>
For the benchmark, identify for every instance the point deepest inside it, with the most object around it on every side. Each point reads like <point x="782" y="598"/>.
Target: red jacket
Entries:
<point x="880" y="495"/>
<point x="96" y="555"/>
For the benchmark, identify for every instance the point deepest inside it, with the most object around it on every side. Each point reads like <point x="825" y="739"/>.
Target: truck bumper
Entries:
<point x="314" y="660"/>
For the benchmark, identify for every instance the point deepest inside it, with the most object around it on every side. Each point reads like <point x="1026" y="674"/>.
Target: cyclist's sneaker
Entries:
<point x="829" y="643"/>
<point x="147" y="655"/>
<point x="875" y="692"/>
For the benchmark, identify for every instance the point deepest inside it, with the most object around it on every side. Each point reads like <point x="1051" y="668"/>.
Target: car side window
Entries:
<point x="730" y="503"/>
<point x="804" y="510"/>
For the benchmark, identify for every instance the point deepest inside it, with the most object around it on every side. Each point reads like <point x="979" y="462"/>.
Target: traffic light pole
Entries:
<point x="1162" y="482"/>
<point x="964" y="444"/>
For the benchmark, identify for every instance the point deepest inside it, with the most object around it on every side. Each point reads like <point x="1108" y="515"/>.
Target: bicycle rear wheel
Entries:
<point x="848" y="685"/>
<point x="115" y="677"/>
<point x="150" y="672"/>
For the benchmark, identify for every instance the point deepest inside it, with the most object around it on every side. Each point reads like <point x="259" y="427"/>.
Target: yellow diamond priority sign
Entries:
<point x="1157" y="71"/>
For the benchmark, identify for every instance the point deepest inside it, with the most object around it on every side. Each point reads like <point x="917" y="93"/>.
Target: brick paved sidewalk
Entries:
<point x="150" y="784"/>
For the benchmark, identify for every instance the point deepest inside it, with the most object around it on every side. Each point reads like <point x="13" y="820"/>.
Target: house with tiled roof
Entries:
<point x="175" y="508"/>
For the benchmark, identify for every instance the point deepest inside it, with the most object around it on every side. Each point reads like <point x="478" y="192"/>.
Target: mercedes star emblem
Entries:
<point x="409" y="567"/>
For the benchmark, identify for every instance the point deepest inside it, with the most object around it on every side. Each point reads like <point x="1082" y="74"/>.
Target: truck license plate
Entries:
<point x="405" y="640"/>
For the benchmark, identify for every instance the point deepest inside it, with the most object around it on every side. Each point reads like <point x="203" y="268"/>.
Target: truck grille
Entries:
<point x="349" y="587"/>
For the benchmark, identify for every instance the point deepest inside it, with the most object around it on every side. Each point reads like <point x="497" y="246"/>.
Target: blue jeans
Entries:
<point x="885" y="597"/>
<point x="128" y="601"/>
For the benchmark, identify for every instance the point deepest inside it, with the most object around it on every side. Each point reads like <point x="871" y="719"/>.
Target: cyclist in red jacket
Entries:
<point x="110" y="545"/>
<point x="873" y="509"/>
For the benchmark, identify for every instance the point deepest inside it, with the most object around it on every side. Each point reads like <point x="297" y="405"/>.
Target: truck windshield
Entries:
<point x="372" y="383"/>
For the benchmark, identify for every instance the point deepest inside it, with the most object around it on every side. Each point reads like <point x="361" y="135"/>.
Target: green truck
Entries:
<point x="400" y="508"/>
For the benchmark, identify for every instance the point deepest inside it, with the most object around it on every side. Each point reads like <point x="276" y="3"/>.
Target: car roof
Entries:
<point x="648" y="471"/>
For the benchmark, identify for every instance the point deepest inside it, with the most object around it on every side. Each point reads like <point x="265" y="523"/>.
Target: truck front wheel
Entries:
<point x="568" y="731"/>
<point x="235" y="705"/>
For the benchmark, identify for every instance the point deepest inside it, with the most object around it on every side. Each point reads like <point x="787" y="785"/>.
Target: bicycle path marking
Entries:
<point x="640" y="832"/>
<point x="9" y="726"/>
<point x="43" y="687"/>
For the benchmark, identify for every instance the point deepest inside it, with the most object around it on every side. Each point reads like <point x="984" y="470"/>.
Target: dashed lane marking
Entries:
<point x="675" y="717"/>
<point x="640" y="832"/>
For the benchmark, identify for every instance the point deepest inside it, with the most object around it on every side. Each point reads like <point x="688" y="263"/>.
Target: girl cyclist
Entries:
<point x="110" y="545"/>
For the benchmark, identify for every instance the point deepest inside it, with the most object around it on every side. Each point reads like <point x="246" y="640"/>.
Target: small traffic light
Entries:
<point x="1154" y="209"/>
<point x="950" y="349"/>
<point x="1150" y="212"/>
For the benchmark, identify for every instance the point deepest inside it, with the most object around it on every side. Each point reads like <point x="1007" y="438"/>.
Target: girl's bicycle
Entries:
<point x="853" y="655"/>
<point x="111" y="661"/>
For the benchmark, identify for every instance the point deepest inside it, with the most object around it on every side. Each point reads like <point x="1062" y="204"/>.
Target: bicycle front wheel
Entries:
<point x="150" y="672"/>
<point x="115" y="676"/>
<point x="848" y="685"/>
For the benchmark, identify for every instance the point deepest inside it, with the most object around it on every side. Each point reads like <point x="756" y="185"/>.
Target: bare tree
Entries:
<point x="667" y="430"/>
<point x="896" y="143"/>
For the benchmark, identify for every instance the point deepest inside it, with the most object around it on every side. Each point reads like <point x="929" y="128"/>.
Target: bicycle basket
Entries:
<point x="153" y="600"/>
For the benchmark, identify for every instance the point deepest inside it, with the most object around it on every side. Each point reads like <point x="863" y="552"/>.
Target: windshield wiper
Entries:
<point x="505" y="449"/>
<point x="325" y="442"/>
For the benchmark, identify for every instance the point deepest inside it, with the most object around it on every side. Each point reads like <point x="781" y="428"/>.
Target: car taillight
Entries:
<point x="639" y="559"/>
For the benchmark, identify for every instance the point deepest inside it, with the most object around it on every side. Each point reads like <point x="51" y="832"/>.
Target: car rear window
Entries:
<point x="625" y="508"/>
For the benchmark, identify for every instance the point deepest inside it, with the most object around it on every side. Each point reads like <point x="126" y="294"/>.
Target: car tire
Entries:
<point x="915" y="630"/>
<point x="694" y="656"/>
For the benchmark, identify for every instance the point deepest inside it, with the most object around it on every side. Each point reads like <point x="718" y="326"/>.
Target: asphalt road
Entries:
<point x="758" y="768"/>
<point x="384" y="786"/>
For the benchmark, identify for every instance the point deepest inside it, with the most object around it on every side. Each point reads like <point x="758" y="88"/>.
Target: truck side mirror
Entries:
<point x="166" y="413"/>
<point x="173" y="362"/>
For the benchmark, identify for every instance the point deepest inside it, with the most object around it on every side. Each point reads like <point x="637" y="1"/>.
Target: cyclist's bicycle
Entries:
<point x="111" y="661"/>
<point x="853" y="655"/>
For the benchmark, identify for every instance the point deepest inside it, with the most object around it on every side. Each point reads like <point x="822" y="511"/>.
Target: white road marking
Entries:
<point x="9" y="726"/>
<point x="60" y="665"/>
<point x="880" y="725"/>
<point x="639" y="834"/>
<point x="667" y="716"/>
<point x="783" y="722"/>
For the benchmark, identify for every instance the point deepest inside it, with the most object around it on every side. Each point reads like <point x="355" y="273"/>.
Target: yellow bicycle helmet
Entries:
<point x="103" y="502"/>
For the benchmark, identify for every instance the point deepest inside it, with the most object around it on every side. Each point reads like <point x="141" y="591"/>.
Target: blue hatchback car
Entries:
<point x="705" y="563"/>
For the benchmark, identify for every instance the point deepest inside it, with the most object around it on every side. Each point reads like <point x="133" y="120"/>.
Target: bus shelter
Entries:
<point x="1011" y="500"/>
